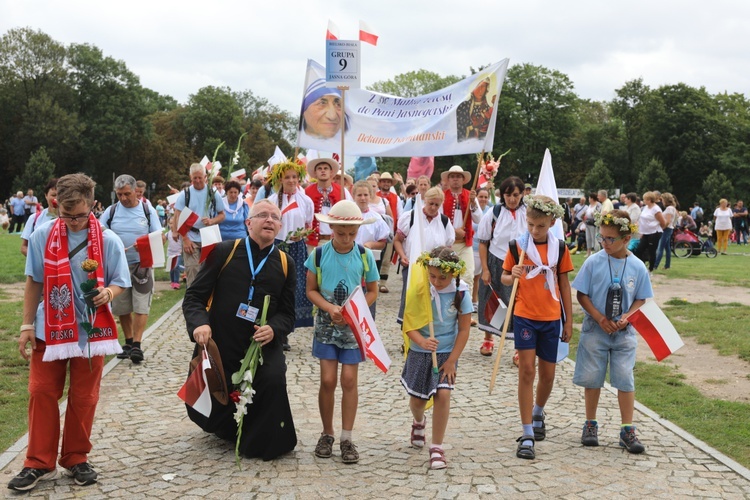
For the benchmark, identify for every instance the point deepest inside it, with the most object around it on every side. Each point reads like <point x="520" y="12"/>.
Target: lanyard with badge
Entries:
<point x="246" y="311"/>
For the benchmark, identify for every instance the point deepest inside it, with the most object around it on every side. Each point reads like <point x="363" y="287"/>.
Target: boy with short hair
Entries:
<point x="543" y="296"/>
<point x="334" y="270"/>
<point x="611" y="285"/>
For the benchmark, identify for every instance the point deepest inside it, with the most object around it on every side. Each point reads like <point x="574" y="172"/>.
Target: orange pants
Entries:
<point x="46" y="385"/>
<point x="722" y="239"/>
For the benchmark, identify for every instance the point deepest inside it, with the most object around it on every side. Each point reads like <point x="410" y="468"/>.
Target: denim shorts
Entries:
<point x="330" y="351"/>
<point x="596" y="349"/>
<point x="542" y="336"/>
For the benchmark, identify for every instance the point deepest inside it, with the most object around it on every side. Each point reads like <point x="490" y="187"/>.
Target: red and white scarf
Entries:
<point x="60" y="326"/>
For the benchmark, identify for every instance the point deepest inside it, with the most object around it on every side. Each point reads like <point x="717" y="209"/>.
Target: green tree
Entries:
<point x="653" y="178"/>
<point x="39" y="169"/>
<point x="213" y="116"/>
<point x="598" y="178"/>
<point x="414" y="83"/>
<point x="715" y="187"/>
<point x="629" y="107"/>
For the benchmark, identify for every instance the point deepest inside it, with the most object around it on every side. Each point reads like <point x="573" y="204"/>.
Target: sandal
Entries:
<point x="526" y="451"/>
<point x="515" y="359"/>
<point x="383" y="289"/>
<point x="437" y="459"/>
<point x="417" y="441"/>
<point x="487" y="347"/>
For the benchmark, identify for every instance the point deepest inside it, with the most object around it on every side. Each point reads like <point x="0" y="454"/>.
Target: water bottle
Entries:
<point x="614" y="299"/>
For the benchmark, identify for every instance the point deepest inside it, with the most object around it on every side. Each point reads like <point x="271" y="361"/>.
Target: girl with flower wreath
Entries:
<point x="296" y="218"/>
<point x="451" y="313"/>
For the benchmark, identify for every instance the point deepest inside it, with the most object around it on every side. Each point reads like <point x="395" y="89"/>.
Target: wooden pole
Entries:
<point x="473" y="187"/>
<point x="508" y="315"/>
<point x="342" y="129"/>
<point x="434" y="353"/>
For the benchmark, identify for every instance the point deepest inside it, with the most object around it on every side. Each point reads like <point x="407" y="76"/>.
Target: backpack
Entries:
<point x="495" y="214"/>
<point x="513" y="249"/>
<point x="443" y="218"/>
<point x="112" y="210"/>
<point x="212" y="203"/>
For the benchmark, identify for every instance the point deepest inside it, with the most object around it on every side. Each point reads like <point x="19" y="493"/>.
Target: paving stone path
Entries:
<point x="145" y="447"/>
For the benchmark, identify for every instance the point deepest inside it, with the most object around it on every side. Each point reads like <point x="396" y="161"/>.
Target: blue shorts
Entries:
<point x="596" y="349"/>
<point x="543" y="336"/>
<point x="330" y="351"/>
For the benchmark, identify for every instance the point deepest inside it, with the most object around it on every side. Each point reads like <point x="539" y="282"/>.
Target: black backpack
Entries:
<point x="146" y="212"/>
<point x="443" y="218"/>
<point x="212" y="203"/>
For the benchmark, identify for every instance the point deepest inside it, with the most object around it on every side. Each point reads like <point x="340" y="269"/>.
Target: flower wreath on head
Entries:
<point x="608" y="219"/>
<point x="548" y="208"/>
<point x="278" y="171"/>
<point x="453" y="268"/>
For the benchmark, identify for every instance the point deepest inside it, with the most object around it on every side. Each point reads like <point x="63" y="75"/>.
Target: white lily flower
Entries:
<point x="248" y="376"/>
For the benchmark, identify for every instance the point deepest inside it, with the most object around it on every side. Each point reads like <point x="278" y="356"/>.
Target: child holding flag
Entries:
<point x="543" y="295"/>
<point x="611" y="285"/>
<point x="334" y="270"/>
<point x="450" y="320"/>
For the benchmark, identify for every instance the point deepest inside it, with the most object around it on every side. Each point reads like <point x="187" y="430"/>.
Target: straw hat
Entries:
<point x="456" y="169"/>
<point x="345" y="212"/>
<point x="348" y="178"/>
<point x="317" y="161"/>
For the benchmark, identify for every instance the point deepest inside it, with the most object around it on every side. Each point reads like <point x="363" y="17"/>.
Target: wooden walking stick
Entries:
<point x="474" y="186"/>
<point x="508" y="315"/>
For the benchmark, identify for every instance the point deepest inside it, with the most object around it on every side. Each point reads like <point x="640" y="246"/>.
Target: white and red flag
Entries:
<point x="367" y="34"/>
<point x="187" y="220"/>
<point x="289" y="207"/>
<point x="495" y="311"/>
<point x="332" y="33"/>
<point x="195" y="392"/>
<point x="150" y="248"/>
<point x="171" y="264"/>
<point x="210" y="236"/>
<point x="278" y="157"/>
<point x="656" y="330"/>
<point x="238" y="174"/>
<point x="358" y="317"/>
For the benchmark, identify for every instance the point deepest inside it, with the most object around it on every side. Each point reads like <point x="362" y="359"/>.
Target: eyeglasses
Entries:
<point x="266" y="215"/>
<point x="607" y="240"/>
<point x="75" y="218"/>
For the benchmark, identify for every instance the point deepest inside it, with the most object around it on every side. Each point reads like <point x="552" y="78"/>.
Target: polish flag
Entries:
<point x="289" y="207"/>
<point x="206" y="163"/>
<point x="238" y="174"/>
<point x="656" y="330"/>
<point x="495" y="311"/>
<point x="187" y="220"/>
<point x="367" y="34"/>
<point x="357" y="315"/>
<point x="278" y="157"/>
<point x="195" y="392"/>
<point x="171" y="264"/>
<point x="150" y="248"/>
<point x="482" y="181"/>
<point x="333" y="31"/>
<point x="210" y="236"/>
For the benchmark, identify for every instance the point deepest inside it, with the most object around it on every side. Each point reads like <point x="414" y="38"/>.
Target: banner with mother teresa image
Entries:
<point x="459" y="119"/>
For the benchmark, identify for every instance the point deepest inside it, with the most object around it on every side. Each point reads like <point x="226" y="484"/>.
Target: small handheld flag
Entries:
<point x="656" y="330"/>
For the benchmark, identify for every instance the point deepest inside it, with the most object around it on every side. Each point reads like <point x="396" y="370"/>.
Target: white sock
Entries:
<point x="537" y="411"/>
<point x="345" y="435"/>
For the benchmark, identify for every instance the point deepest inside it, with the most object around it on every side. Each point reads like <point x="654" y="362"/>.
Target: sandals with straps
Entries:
<point x="526" y="451"/>
<point x="487" y="347"/>
<point x="417" y="441"/>
<point x="437" y="459"/>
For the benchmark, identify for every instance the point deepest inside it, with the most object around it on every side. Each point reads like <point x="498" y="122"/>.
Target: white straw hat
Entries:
<point x="456" y="169"/>
<point x="345" y="212"/>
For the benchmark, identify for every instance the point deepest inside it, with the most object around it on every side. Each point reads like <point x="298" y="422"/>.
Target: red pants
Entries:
<point x="46" y="385"/>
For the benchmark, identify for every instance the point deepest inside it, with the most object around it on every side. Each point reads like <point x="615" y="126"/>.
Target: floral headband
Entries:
<point x="279" y="170"/>
<point x="610" y="220"/>
<point x="453" y="268"/>
<point x="548" y="208"/>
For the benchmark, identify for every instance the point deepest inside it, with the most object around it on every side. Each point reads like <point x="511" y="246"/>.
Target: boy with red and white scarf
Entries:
<point x="63" y="254"/>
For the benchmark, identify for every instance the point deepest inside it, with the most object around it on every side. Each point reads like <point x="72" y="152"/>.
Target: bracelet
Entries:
<point x="27" y="327"/>
<point x="111" y="294"/>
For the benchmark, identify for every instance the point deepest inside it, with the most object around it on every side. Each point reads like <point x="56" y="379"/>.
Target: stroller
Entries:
<point x="686" y="243"/>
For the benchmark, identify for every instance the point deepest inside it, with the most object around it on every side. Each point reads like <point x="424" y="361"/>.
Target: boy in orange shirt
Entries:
<point x="542" y="313"/>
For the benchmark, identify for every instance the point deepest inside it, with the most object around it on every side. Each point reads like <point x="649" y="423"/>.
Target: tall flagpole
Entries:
<point x="342" y="130"/>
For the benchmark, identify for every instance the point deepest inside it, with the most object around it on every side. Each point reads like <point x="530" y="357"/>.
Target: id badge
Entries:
<point x="248" y="313"/>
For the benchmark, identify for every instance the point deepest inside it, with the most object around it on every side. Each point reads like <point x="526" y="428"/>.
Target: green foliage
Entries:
<point x="598" y="178"/>
<point x="715" y="187"/>
<point x="39" y="169"/>
<point x="414" y="83"/>
<point x="653" y="178"/>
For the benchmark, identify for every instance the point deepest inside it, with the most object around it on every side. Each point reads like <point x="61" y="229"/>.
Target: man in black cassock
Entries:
<point x="268" y="428"/>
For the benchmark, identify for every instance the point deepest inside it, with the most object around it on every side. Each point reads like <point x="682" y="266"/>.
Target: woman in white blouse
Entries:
<point x="722" y="225"/>
<point x="651" y="225"/>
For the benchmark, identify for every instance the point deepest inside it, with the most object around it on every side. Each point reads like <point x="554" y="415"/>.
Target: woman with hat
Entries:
<point x="296" y="217"/>
<point x="334" y="270"/>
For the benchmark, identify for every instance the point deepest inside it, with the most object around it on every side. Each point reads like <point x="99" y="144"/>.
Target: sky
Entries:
<point x="177" y="47"/>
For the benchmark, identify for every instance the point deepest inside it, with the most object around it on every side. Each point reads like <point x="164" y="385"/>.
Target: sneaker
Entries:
<point x="125" y="354"/>
<point x="324" y="448"/>
<point x="136" y="355"/>
<point x="349" y="454"/>
<point x="539" y="432"/>
<point x="83" y="474"/>
<point x="28" y="477"/>
<point x="629" y="440"/>
<point x="175" y="286"/>
<point x="590" y="436"/>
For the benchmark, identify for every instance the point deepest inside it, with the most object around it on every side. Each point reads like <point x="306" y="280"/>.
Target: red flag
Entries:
<point x="150" y="249"/>
<point x="210" y="236"/>
<point x="367" y="34"/>
<point x="495" y="311"/>
<point x="656" y="330"/>
<point x="194" y="391"/>
<point x="333" y="31"/>
<point x="358" y="317"/>
<point x="187" y="220"/>
<point x="482" y="181"/>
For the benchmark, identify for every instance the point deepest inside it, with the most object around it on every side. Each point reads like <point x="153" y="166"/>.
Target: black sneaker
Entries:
<point x="83" y="474"/>
<point x="136" y="355"/>
<point x="28" y="477"/>
<point x="125" y="354"/>
<point x="539" y="432"/>
<point x="590" y="436"/>
<point x="629" y="440"/>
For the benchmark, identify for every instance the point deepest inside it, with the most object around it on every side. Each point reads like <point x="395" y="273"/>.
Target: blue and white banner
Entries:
<point x="459" y="119"/>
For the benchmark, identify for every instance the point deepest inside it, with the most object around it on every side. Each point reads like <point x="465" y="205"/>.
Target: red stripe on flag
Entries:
<point x="143" y="246"/>
<point x="656" y="330"/>
<point x="368" y="37"/>
<point x="187" y="223"/>
<point x="289" y="207"/>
